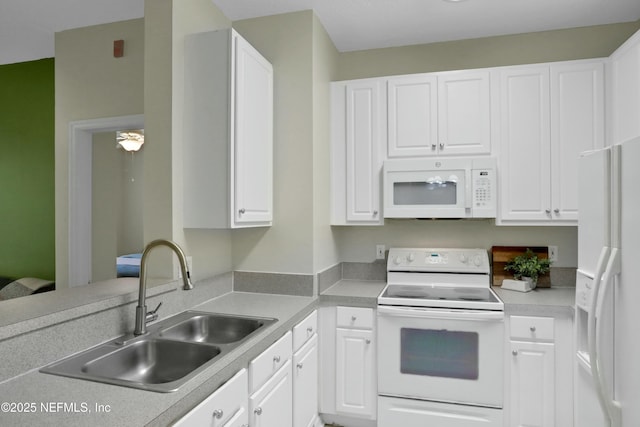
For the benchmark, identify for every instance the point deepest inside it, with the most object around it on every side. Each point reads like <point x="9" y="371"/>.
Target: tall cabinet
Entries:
<point x="549" y="114"/>
<point x="624" y="88"/>
<point x="357" y="153"/>
<point x="227" y="133"/>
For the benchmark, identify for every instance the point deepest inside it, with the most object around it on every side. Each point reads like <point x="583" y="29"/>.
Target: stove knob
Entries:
<point x="477" y="261"/>
<point x="463" y="258"/>
<point x="411" y="257"/>
<point x="397" y="260"/>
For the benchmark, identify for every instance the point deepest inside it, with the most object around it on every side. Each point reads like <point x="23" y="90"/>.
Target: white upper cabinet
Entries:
<point x="549" y="114"/>
<point x="439" y="114"/>
<point x="227" y="133"/>
<point x="524" y="166"/>
<point x="577" y="125"/>
<point x="624" y="88"/>
<point x="356" y="154"/>
<point x="412" y="113"/>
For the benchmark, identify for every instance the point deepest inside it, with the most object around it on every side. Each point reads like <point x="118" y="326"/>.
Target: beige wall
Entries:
<point x="358" y="243"/>
<point x="287" y="246"/>
<point x="325" y="63"/>
<point x="546" y="46"/>
<point x="90" y="83"/>
<point x="209" y="249"/>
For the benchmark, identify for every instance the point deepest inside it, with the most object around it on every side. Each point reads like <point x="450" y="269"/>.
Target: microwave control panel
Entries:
<point x="483" y="193"/>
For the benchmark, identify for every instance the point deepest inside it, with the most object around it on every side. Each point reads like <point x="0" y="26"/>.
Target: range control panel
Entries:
<point x="448" y="260"/>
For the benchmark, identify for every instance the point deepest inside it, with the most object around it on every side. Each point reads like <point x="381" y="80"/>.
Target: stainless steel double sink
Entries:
<point x="170" y="354"/>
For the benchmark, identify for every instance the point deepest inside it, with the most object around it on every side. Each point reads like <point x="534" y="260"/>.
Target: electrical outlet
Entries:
<point x="553" y="253"/>
<point x="380" y="251"/>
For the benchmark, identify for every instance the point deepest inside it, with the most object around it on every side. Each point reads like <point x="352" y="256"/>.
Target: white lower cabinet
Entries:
<point x="395" y="412"/>
<point x="305" y="374"/>
<point x="355" y="386"/>
<point x="532" y="379"/>
<point x="271" y="405"/>
<point x="540" y="372"/>
<point x="225" y="407"/>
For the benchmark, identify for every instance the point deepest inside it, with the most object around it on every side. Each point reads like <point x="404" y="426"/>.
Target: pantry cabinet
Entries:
<point x="225" y="407"/>
<point x="540" y="372"/>
<point x="549" y="114"/>
<point x="227" y="136"/>
<point x="357" y="152"/>
<point x="439" y="114"/>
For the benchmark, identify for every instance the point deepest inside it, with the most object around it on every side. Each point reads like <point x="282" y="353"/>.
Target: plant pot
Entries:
<point x="530" y="280"/>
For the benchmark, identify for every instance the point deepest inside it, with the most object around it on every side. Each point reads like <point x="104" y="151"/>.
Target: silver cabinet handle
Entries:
<point x="433" y="146"/>
<point x="299" y="365"/>
<point x="276" y="359"/>
<point x="309" y="330"/>
<point x="532" y="329"/>
<point x="375" y="213"/>
<point x="368" y="341"/>
<point x="514" y="352"/>
<point x="442" y="145"/>
<point x="218" y="413"/>
<point x="258" y="411"/>
<point x="556" y="211"/>
<point x="547" y="211"/>
<point x="241" y="211"/>
<point x="353" y="318"/>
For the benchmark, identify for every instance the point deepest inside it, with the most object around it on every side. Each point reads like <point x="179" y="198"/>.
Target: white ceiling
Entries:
<point x="27" y="26"/>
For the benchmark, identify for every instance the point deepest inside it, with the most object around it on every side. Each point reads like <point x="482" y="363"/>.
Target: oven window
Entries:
<point x="424" y="193"/>
<point x="439" y="353"/>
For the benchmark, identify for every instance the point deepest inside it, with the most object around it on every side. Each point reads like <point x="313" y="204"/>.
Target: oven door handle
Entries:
<point x="481" y="315"/>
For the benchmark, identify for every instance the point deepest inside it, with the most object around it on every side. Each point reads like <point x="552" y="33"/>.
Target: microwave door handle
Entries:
<point x="467" y="189"/>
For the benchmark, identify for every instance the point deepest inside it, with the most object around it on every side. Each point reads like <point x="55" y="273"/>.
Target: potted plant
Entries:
<point x="528" y="265"/>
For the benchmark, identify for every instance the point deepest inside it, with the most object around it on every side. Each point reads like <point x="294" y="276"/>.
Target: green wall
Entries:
<point x="27" y="193"/>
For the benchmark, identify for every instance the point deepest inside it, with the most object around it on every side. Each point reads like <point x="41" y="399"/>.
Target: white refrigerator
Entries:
<point x="607" y="368"/>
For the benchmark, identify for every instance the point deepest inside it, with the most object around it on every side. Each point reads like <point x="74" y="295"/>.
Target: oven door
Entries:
<point x="443" y="355"/>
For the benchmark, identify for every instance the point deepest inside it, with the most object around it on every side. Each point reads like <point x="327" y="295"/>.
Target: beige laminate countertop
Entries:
<point x="359" y="293"/>
<point x="52" y="400"/>
<point x="553" y="301"/>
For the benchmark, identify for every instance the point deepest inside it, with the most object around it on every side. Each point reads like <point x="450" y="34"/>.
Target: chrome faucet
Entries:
<point x="142" y="316"/>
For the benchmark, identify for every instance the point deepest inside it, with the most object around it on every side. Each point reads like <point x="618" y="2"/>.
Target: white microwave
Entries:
<point x="463" y="187"/>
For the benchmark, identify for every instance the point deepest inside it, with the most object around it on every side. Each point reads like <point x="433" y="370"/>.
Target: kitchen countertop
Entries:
<point x="553" y="301"/>
<point x="52" y="400"/>
<point x="358" y="293"/>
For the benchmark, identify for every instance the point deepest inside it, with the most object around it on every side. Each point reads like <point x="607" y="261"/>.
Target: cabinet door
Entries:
<point x="223" y="406"/>
<point x="270" y="406"/>
<point x="356" y="388"/>
<point x="577" y="125"/>
<point x="412" y="115"/>
<point x="532" y="398"/>
<point x="252" y="161"/>
<point x="305" y="384"/>
<point x="239" y="419"/>
<point x="464" y="113"/>
<point x="525" y="156"/>
<point x="363" y="160"/>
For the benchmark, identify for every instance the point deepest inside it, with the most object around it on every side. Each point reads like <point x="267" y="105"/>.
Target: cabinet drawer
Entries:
<point x="354" y="317"/>
<point x="269" y="361"/>
<point x="305" y="330"/>
<point x="221" y="406"/>
<point x="532" y="328"/>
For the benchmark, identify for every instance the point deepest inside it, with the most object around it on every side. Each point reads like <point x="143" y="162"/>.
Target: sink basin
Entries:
<point x="170" y="354"/>
<point x="151" y="361"/>
<point x="214" y="328"/>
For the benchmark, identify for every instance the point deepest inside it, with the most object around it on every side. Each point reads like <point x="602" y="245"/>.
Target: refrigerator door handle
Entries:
<point x="611" y="406"/>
